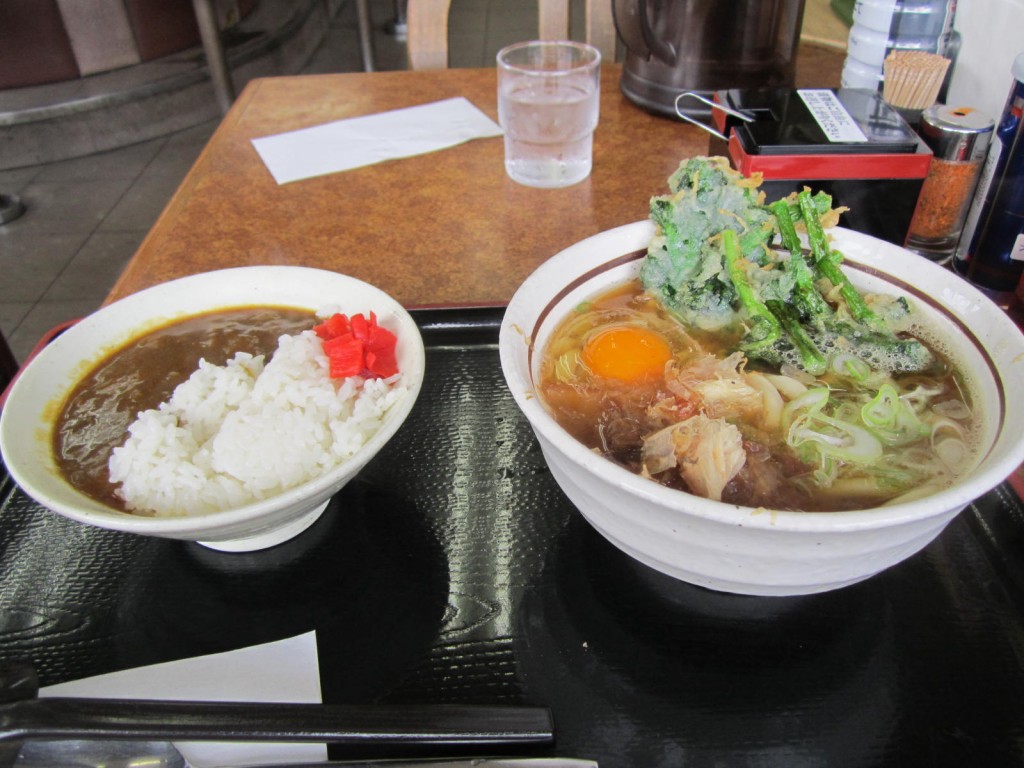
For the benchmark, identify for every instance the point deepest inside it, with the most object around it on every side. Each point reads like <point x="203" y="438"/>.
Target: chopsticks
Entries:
<point x="23" y="716"/>
<point x="84" y="718"/>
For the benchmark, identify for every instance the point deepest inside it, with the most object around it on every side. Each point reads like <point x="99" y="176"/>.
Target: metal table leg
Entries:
<point x="209" y="31"/>
<point x="366" y="35"/>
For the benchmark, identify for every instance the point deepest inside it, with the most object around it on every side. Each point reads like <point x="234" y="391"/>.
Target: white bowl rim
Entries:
<point x="512" y="340"/>
<point x="196" y="525"/>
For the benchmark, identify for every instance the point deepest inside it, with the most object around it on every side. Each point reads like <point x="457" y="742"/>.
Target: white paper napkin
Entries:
<point x="283" y="671"/>
<point x="358" y="141"/>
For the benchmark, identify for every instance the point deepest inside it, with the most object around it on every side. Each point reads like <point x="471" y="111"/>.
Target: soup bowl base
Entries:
<point x="269" y="538"/>
<point x="746" y="555"/>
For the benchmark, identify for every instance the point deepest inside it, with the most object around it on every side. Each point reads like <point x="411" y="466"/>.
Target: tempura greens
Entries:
<point x="723" y="258"/>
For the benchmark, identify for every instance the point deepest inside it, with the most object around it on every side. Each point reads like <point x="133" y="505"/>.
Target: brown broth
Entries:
<point x="142" y="374"/>
<point x="613" y="417"/>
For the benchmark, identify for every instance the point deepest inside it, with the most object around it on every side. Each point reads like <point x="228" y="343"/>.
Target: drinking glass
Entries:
<point x="548" y="97"/>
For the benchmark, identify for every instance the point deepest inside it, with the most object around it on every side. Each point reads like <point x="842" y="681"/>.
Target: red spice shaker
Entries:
<point x="959" y="138"/>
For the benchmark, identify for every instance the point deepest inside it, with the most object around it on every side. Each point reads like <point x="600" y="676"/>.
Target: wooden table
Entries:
<point x="446" y="228"/>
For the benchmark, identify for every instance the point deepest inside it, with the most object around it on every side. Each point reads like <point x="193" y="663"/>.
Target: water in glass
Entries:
<point x="549" y="130"/>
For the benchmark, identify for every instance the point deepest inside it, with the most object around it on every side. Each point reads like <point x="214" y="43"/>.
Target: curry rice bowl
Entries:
<point x="233" y="434"/>
<point x="27" y="422"/>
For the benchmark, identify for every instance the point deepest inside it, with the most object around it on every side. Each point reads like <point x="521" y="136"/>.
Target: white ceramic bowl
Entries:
<point x="26" y="423"/>
<point x="745" y="550"/>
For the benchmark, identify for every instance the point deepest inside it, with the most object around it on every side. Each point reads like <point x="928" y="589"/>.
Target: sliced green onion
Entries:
<point x="811" y="401"/>
<point x="949" y="444"/>
<point x="918" y="397"/>
<point x="844" y="441"/>
<point x="826" y="473"/>
<point x="847" y="411"/>
<point x="909" y="427"/>
<point x="881" y="411"/>
<point x="850" y="366"/>
<point x="952" y="452"/>
<point x="953" y="409"/>
<point x="941" y="426"/>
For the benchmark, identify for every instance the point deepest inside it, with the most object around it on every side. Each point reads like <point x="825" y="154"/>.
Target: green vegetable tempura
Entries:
<point x="722" y="258"/>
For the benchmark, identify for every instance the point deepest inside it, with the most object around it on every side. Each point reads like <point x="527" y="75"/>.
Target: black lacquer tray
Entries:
<point x="453" y="570"/>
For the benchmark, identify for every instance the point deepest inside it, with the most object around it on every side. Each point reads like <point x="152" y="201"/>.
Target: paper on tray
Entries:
<point x="283" y="671"/>
<point x="358" y="141"/>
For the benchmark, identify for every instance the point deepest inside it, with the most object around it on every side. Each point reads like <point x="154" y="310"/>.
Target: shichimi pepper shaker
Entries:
<point x="959" y="138"/>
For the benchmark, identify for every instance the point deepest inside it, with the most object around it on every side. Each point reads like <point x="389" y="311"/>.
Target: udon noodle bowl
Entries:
<point x="742" y="365"/>
<point x="615" y="348"/>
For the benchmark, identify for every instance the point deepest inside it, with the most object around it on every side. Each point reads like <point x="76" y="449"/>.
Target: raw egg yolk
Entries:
<point x="627" y="353"/>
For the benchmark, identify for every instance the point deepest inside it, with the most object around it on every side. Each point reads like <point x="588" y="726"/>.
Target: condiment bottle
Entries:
<point x="959" y="138"/>
<point x="991" y="250"/>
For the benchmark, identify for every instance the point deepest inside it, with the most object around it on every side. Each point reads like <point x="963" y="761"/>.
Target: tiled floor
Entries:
<point x="85" y="217"/>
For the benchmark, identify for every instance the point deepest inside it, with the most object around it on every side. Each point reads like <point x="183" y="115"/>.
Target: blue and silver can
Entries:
<point x="991" y="249"/>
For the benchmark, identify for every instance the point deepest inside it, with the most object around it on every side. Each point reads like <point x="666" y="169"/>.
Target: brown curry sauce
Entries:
<point x="143" y="373"/>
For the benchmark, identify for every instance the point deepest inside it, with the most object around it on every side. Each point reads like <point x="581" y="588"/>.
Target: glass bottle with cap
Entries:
<point x="959" y="138"/>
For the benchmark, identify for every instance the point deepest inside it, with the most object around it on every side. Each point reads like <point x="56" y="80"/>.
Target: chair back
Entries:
<point x="427" y="33"/>
<point x="427" y="25"/>
<point x="598" y="24"/>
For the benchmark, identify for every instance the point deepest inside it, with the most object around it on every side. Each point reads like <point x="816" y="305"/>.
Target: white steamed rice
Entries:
<point x="245" y="431"/>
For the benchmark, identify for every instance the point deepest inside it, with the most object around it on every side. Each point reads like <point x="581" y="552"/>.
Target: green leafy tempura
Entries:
<point x="721" y="258"/>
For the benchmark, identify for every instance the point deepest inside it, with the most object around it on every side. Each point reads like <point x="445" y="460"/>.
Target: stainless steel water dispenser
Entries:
<point x="703" y="46"/>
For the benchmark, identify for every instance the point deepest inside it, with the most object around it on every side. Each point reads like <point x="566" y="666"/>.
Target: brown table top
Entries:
<point x="445" y="228"/>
